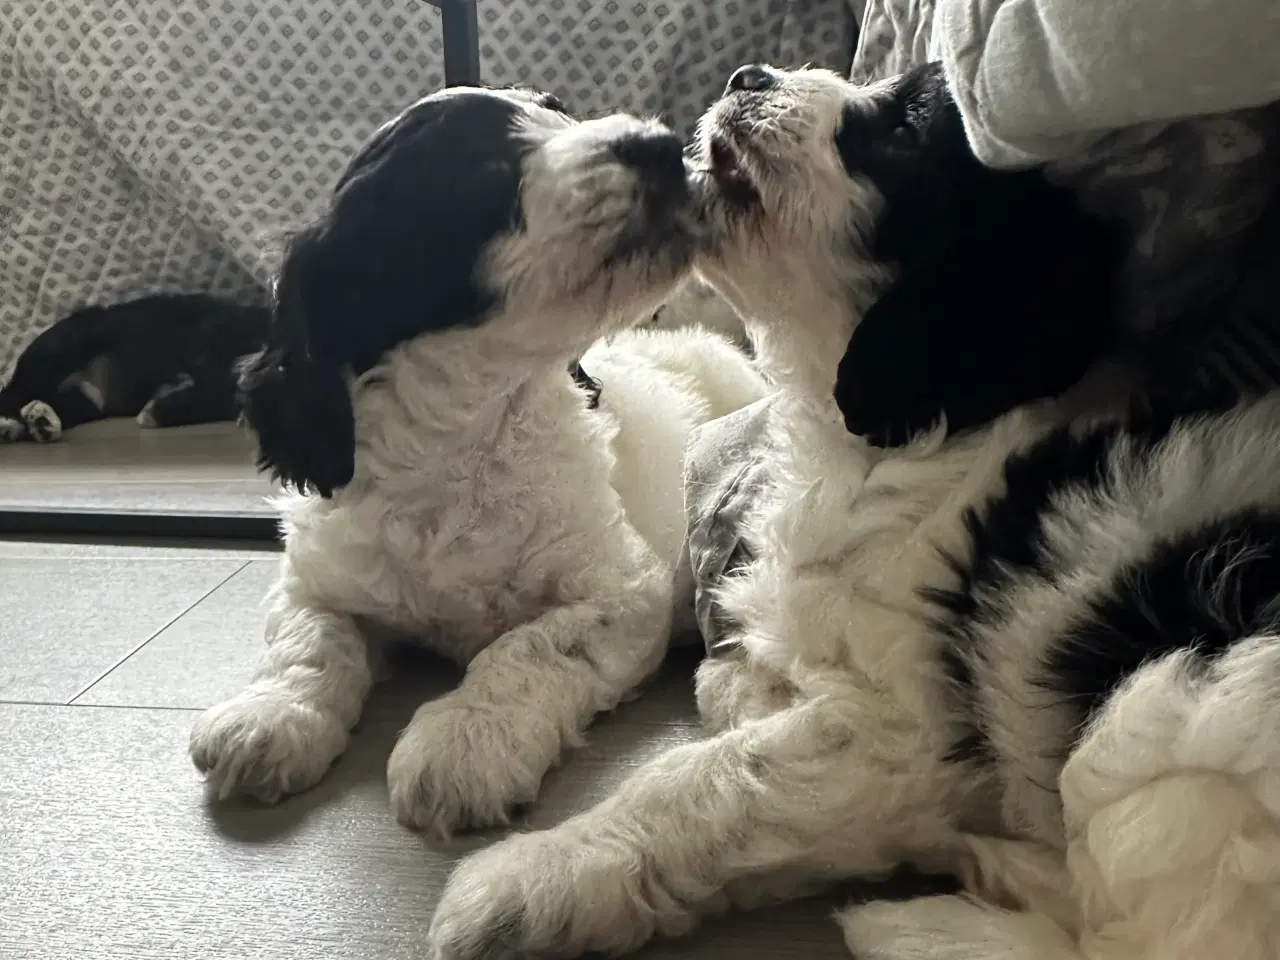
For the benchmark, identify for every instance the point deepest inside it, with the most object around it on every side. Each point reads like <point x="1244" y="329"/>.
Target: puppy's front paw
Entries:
<point x="265" y="744"/>
<point x="549" y="893"/>
<point x="11" y="430"/>
<point x="461" y="766"/>
<point x="42" y="422"/>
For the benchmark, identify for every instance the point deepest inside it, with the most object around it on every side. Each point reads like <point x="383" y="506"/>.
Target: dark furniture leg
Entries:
<point x="461" y="42"/>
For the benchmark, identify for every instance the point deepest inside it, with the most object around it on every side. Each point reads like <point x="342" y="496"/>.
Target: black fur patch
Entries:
<point x="1205" y="591"/>
<point x="1006" y="543"/>
<point x="1003" y="289"/>
<point x="1163" y="604"/>
<point x="133" y="350"/>
<point x="379" y="269"/>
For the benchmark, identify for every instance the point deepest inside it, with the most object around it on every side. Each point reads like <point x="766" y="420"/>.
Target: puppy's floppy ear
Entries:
<point x="992" y="319"/>
<point x="887" y="386"/>
<point x="1005" y="288"/>
<point x="402" y="249"/>
<point x="298" y="403"/>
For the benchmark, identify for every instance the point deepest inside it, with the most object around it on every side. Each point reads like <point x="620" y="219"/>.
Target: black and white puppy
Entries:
<point x="1040" y="655"/>
<point x="167" y="360"/>
<point x="455" y="483"/>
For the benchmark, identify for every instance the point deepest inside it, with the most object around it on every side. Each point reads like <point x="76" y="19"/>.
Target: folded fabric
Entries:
<point x="725" y="473"/>
<point x="1041" y="80"/>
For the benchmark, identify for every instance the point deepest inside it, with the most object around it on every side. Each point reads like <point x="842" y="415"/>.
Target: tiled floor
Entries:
<point x="108" y="848"/>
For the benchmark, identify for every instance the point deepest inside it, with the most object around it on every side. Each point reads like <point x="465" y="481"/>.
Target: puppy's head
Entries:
<point x="950" y="290"/>
<point x="480" y="212"/>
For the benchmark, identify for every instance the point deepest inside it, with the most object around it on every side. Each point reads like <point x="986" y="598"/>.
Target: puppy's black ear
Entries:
<point x="298" y="405"/>
<point x="888" y="385"/>
<point x="995" y="317"/>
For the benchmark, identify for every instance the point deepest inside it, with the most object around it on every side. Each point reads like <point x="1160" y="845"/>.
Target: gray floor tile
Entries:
<point x="204" y="656"/>
<point x="109" y="851"/>
<point x="66" y="622"/>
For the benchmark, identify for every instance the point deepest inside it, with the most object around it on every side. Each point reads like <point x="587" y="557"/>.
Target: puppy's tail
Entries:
<point x="1172" y="810"/>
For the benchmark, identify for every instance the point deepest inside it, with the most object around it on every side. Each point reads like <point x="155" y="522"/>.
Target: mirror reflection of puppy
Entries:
<point x="458" y="483"/>
<point x="166" y="360"/>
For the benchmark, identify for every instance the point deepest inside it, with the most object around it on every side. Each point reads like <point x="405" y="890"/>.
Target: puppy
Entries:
<point x="454" y="481"/>
<point x="1034" y="652"/>
<point x="166" y="360"/>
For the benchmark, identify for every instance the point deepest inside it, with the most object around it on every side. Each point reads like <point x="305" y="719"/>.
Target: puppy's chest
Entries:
<point x="471" y="571"/>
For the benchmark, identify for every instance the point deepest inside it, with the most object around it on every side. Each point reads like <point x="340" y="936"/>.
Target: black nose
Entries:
<point x="751" y="77"/>
<point x="653" y="153"/>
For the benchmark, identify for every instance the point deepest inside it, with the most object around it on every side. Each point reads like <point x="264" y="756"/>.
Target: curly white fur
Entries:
<point x="1159" y="838"/>
<point x="494" y="518"/>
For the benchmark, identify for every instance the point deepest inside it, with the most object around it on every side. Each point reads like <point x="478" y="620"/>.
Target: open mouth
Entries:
<point x="730" y="174"/>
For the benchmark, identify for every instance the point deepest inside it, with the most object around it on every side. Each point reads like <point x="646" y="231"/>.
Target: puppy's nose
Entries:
<point x="751" y="77"/>
<point x="655" y="154"/>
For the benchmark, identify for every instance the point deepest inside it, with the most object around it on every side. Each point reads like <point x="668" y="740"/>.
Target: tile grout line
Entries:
<point x="116" y="666"/>
<point x="96" y="706"/>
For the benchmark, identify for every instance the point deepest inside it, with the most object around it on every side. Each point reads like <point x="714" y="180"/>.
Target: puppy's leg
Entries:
<point x="798" y="787"/>
<point x="733" y="688"/>
<point x="28" y="407"/>
<point x="185" y="402"/>
<point x="1172" y="808"/>
<point x="283" y="732"/>
<point x="47" y="419"/>
<point x="468" y="757"/>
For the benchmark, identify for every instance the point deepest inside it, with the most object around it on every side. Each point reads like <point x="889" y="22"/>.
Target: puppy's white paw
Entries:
<point x="549" y="893"/>
<point x="265" y="744"/>
<point x="42" y="422"/>
<point x="459" y="766"/>
<point x="11" y="430"/>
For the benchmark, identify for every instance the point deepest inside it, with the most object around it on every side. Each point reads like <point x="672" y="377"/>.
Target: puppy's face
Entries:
<point x="919" y="284"/>
<point x="784" y="217"/>
<point x="486" y="213"/>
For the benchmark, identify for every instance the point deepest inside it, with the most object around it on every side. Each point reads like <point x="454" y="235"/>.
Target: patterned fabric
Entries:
<point x="1191" y="191"/>
<point x="152" y="146"/>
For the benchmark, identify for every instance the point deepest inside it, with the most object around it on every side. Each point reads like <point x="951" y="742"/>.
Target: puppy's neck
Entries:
<point x="461" y="389"/>
<point x="800" y="325"/>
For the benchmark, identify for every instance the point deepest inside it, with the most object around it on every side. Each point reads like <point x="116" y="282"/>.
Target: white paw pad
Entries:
<point x="457" y="767"/>
<point x="265" y="745"/>
<point x="42" y="422"/>
<point x="544" y="893"/>
<point x="11" y="430"/>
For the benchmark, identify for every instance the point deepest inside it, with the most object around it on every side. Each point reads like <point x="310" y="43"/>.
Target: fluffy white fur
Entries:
<point x="494" y="518"/>
<point x="830" y="727"/>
